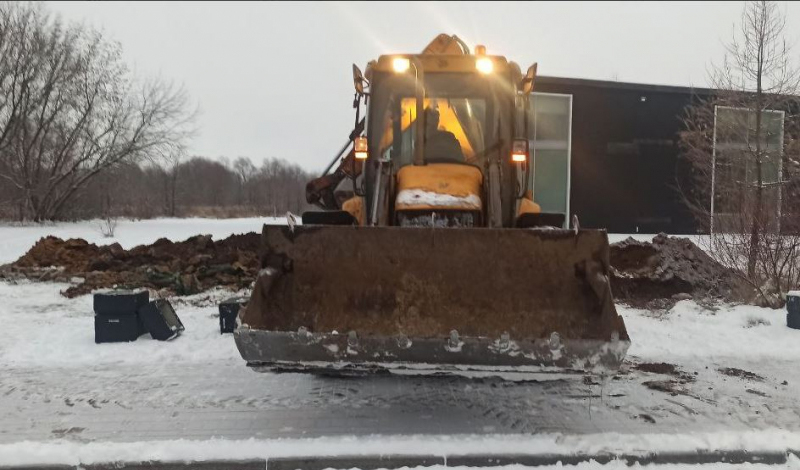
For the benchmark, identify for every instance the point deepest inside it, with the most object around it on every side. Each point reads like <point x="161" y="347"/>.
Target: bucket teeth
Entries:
<point x="263" y="348"/>
<point x="303" y="335"/>
<point x="352" y="339"/>
<point x="505" y="341"/>
<point x="454" y="341"/>
<point x="403" y="342"/>
<point x="555" y="341"/>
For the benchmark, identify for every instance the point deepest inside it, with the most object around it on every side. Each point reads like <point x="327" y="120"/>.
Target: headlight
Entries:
<point x="484" y="65"/>
<point x="400" y="64"/>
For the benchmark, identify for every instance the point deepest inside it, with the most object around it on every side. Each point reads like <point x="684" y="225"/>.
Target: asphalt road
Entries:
<point x="228" y="400"/>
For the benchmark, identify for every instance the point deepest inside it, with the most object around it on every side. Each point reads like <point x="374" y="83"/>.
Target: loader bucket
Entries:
<point x="479" y="298"/>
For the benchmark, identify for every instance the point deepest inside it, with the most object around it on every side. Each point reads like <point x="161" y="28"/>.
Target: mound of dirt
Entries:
<point x="643" y="274"/>
<point x="657" y="368"/>
<point x="744" y="374"/>
<point x="186" y="267"/>
<point x="668" y="268"/>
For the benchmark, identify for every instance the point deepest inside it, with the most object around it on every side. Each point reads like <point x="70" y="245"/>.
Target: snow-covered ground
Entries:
<point x="75" y="453"/>
<point x="691" y="334"/>
<point x="44" y="329"/>
<point x="58" y="332"/>
<point x="65" y="399"/>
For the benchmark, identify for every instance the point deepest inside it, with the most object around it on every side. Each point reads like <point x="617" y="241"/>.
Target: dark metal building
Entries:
<point x="618" y="143"/>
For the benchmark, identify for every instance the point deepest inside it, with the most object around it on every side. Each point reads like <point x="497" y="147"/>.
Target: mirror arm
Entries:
<point x="357" y="130"/>
<point x="526" y="106"/>
<point x="419" y="123"/>
<point x="357" y="106"/>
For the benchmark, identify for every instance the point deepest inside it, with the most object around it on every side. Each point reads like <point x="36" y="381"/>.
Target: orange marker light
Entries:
<point x="360" y="148"/>
<point x="519" y="151"/>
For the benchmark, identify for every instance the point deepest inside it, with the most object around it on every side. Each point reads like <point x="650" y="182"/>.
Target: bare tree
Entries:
<point x="204" y="188"/>
<point x="172" y="162"/>
<point x="70" y="109"/>
<point x="245" y="171"/>
<point x="736" y="140"/>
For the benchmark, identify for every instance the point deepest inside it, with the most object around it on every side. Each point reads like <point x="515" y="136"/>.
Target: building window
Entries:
<point x="736" y="166"/>
<point x="550" y="129"/>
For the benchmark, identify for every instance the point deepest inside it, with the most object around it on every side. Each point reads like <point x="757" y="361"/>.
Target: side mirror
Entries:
<point x="527" y="82"/>
<point x="358" y="79"/>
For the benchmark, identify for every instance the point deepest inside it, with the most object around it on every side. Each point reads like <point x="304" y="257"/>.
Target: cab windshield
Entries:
<point x="460" y="118"/>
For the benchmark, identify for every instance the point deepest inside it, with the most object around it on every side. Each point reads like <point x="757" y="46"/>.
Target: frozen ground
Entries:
<point x="72" y="452"/>
<point x="64" y="398"/>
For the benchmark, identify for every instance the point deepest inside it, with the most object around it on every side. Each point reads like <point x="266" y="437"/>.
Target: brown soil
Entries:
<point x="643" y="274"/>
<point x="186" y="267"/>
<point x="667" y="386"/>
<point x="743" y="374"/>
<point x="422" y="283"/>
<point x="664" y="368"/>
<point x="657" y="368"/>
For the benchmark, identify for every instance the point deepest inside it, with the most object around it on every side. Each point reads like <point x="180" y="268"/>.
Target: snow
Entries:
<point x="64" y="331"/>
<point x="419" y="197"/>
<point x="15" y="240"/>
<point x="45" y="333"/>
<point x="59" y="332"/>
<point x="690" y="332"/>
<point x="72" y="452"/>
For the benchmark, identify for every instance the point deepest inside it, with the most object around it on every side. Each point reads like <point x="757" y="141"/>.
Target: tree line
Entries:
<point x="198" y="187"/>
<point x="81" y="136"/>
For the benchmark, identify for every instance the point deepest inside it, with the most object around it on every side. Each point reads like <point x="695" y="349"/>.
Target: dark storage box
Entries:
<point x="161" y="320"/>
<point x="793" y="310"/>
<point x="115" y="328"/>
<point x="228" y="310"/>
<point x="120" y="302"/>
<point x="115" y="315"/>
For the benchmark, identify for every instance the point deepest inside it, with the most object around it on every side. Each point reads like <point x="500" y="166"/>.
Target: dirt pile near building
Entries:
<point x="666" y="270"/>
<point x="186" y="267"/>
<point x="643" y="274"/>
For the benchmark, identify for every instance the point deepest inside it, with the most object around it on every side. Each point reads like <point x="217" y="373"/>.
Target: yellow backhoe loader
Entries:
<point x="430" y="252"/>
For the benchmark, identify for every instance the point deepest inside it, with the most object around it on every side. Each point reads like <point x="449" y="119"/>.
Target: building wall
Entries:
<point x="625" y="167"/>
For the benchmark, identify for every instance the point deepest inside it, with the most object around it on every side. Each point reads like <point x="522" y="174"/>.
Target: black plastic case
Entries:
<point x="120" y="302"/>
<point x="228" y="310"/>
<point x="115" y="328"/>
<point x="793" y="310"/>
<point x="161" y="320"/>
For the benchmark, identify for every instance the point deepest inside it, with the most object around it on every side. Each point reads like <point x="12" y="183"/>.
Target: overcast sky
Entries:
<point x="274" y="80"/>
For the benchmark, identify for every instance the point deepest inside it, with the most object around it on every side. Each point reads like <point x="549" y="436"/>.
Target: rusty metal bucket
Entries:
<point x="432" y="297"/>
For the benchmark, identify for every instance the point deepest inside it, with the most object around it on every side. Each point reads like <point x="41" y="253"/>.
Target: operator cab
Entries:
<point x="444" y="141"/>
